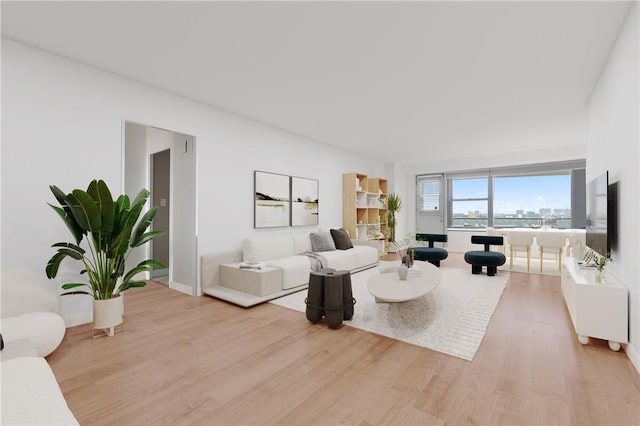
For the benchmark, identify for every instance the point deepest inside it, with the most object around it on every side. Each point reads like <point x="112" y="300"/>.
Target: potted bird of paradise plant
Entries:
<point x="104" y="232"/>
<point x="394" y="205"/>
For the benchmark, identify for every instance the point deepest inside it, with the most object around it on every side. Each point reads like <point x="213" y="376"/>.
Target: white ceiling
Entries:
<point x="389" y="78"/>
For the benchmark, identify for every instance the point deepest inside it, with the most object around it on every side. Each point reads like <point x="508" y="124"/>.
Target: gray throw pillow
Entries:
<point x="322" y="241"/>
<point x="341" y="239"/>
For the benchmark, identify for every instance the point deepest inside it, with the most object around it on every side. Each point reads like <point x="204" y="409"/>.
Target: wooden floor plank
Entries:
<point x="185" y="360"/>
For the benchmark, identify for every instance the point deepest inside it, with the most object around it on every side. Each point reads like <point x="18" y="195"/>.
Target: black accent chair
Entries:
<point x="430" y="254"/>
<point x="490" y="259"/>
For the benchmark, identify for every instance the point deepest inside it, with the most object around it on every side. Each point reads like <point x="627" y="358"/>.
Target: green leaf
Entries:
<point x="71" y="223"/>
<point x="120" y="245"/>
<point x="85" y="211"/>
<point x="99" y="191"/>
<point x="142" y="226"/>
<point x="73" y="285"/>
<point x="71" y="253"/>
<point x="53" y="264"/>
<point x="60" y="196"/>
<point x="69" y="293"/>
<point x="70" y="246"/>
<point x="141" y="197"/>
<point x="146" y="237"/>
<point x="121" y="214"/>
<point x="131" y="284"/>
<point x="136" y="207"/>
<point x="143" y="266"/>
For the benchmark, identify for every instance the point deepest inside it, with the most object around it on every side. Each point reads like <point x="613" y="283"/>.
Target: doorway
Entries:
<point x="161" y="198"/>
<point x="429" y="211"/>
<point x="165" y="162"/>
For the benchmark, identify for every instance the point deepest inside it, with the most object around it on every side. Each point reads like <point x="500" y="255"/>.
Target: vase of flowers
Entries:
<point x="599" y="261"/>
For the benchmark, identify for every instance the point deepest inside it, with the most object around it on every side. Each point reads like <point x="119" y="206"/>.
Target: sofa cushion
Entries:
<point x="365" y="255"/>
<point x="295" y="270"/>
<point x="341" y="239"/>
<point x="340" y="259"/>
<point x="266" y="248"/>
<point x="322" y="241"/>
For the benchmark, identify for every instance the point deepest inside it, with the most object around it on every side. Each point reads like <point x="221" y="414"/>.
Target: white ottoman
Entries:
<point x="30" y="308"/>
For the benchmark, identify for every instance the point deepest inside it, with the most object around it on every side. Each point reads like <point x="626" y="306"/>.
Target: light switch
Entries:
<point x="163" y="202"/>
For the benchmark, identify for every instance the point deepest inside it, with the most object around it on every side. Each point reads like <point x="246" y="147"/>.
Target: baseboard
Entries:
<point x="182" y="288"/>
<point x="632" y="354"/>
<point x="159" y="273"/>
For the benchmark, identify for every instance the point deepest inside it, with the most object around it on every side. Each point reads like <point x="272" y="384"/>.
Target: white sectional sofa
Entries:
<point x="287" y="267"/>
<point x="32" y="328"/>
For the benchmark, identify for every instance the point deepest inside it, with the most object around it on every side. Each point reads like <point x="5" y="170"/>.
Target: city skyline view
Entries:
<point x="513" y="195"/>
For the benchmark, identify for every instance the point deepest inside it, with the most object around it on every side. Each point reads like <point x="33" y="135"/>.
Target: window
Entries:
<point x="469" y="202"/>
<point x="529" y="196"/>
<point x="532" y="201"/>
<point x="429" y="193"/>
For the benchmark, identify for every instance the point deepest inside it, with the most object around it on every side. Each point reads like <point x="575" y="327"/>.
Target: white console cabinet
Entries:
<point x="597" y="310"/>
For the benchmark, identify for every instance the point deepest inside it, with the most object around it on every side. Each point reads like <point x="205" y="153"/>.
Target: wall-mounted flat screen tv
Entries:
<point x="598" y="214"/>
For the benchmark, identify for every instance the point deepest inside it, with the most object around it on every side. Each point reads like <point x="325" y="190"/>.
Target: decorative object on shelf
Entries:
<point x="272" y="200"/>
<point x="304" y="201"/>
<point x="112" y="231"/>
<point x="600" y="261"/>
<point x="394" y="205"/>
<point x="373" y="232"/>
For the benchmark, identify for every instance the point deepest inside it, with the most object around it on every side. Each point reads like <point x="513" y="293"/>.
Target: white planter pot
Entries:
<point x="107" y="314"/>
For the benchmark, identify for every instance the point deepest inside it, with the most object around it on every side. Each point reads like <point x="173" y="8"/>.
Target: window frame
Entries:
<point x="451" y="200"/>
<point x="541" y="169"/>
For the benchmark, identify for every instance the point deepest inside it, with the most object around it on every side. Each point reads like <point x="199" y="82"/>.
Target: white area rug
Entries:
<point x="452" y="319"/>
<point x="549" y="265"/>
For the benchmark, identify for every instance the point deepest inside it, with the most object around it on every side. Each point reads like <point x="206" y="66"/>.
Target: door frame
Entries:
<point x="143" y="166"/>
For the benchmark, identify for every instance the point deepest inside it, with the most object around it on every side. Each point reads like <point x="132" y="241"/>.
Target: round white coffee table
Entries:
<point x="388" y="287"/>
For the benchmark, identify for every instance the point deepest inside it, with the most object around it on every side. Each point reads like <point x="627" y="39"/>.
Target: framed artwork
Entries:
<point x="304" y="201"/>
<point x="272" y="203"/>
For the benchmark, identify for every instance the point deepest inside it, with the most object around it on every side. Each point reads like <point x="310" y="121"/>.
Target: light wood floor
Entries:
<point x="185" y="360"/>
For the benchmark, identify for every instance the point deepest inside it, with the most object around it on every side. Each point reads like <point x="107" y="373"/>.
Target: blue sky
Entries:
<point x="528" y="193"/>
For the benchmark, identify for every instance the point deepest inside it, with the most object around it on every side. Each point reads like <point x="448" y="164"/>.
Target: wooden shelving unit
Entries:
<point x="364" y="206"/>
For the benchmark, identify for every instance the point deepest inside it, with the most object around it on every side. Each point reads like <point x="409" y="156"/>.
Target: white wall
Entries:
<point x="62" y="123"/>
<point x="612" y="144"/>
<point x="136" y="174"/>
